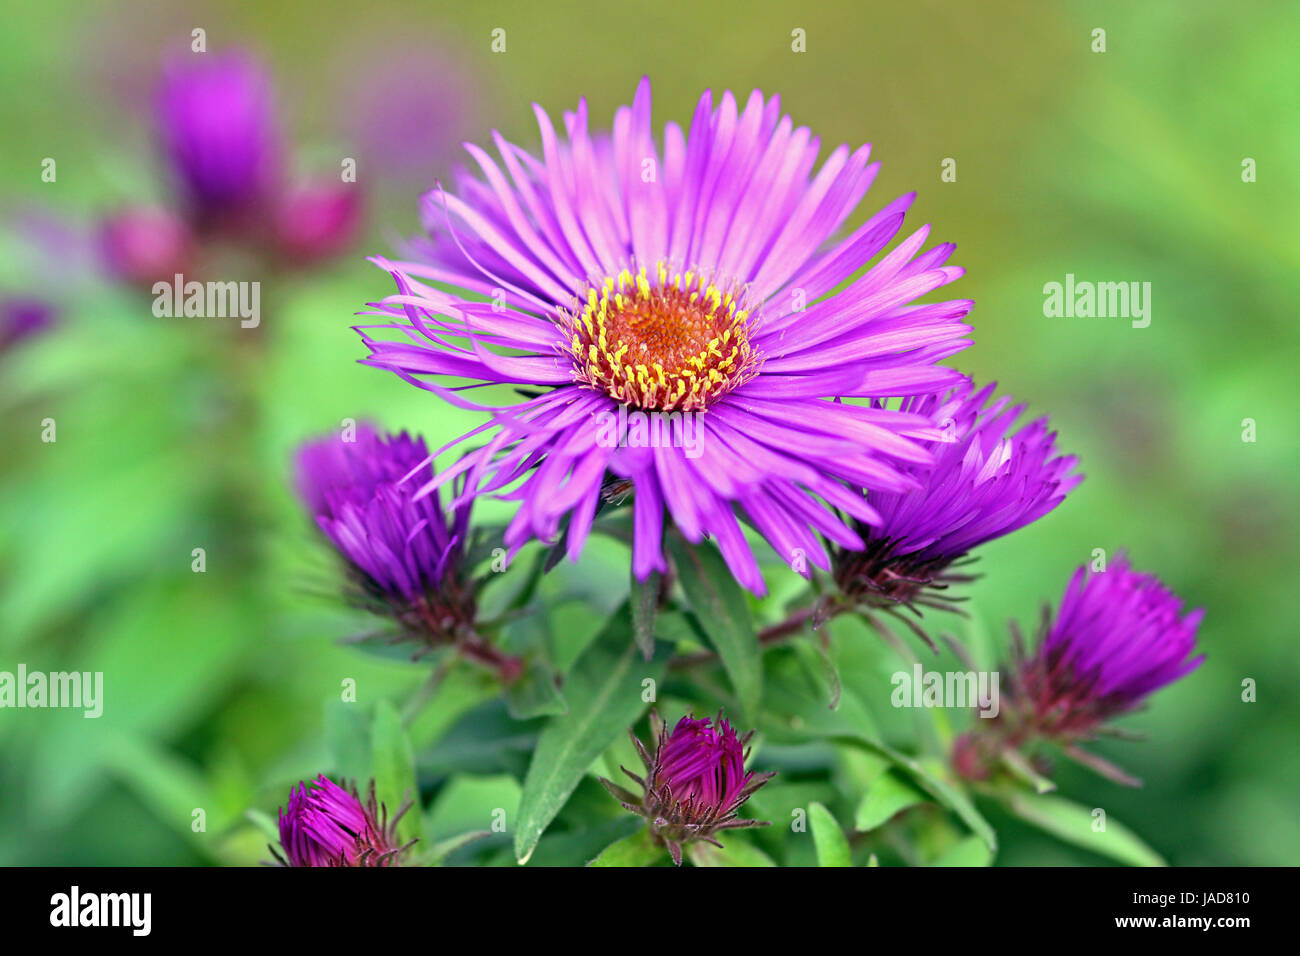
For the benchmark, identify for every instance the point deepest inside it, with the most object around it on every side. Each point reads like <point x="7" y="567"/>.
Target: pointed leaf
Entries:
<point x="604" y="693"/>
<point x="719" y="604"/>
<point x="639" y="849"/>
<point x="645" y="604"/>
<point x="969" y="851"/>
<point x="734" y="853"/>
<point x="828" y="838"/>
<point x="888" y="795"/>
<point x="1073" y="823"/>
<point x="535" y="694"/>
<point x="394" y="769"/>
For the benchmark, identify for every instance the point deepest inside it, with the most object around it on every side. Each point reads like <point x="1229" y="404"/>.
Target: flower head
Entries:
<point x="1118" y="636"/>
<point x="695" y="781"/>
<point x="217" y="124"/>
<point x="986" y="481"/>
<point x="326" y="825"/>
<point x="687" y="277"/>
<point x="403" y="552"/>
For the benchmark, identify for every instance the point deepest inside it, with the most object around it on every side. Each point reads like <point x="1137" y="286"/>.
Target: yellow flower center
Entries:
<point x="670" y="342"/>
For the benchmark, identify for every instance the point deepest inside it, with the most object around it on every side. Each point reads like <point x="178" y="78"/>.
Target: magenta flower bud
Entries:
<point x="1118" y="636"/>
<point x="217" y="125"/>
<point x="695" y="782"/>
<point x="326" y="825"/>
<point x="142" y="246"/>
<point x="317" y="222"/>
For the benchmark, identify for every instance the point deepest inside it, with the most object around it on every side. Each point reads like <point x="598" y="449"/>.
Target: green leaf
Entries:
<point x="887" y="796"/>
<point x="348" y="740"/>
<point x="645" y="604"/>
<point x="265" y="824"/>
<point x="394" y="769"/>
<point x="736" y="853"/>
<point x="639" y="849"/>
<point x="445" y="848"/>
<point x="969" y="851"/>
<point x="720" y="605"/>
<point x="1073" y="823"/>
<point x="604" y="692"/>
<point x="832" y="847"/>
<point x="535" y="694"/>
<point x="797" y="712"/>
<point x="473" y="802"/>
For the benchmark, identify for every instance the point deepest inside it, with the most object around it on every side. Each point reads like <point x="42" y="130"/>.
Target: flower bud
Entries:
<point x="326" y="825"/>
<point x="142" y="246"/>
<point x="404" y="555"/>
<point x="695" y="782"/>
<point x="218" y="129"/>
<point x="317" y="222"/>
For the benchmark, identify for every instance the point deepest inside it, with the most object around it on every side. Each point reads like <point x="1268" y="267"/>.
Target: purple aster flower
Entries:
<point x="217" y="124"/>
<point x="692" y="277"/>
<point x="1118" y="636"/>
<point x="403" y="553"/>
<point x="986" y="481"/>
<point x="326" y="825"/>
<point x="21" y="319"/>
<point x="695" y="782"/>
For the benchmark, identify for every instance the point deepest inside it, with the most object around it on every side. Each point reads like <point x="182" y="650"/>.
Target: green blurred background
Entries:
<point x="1115" y="166"/>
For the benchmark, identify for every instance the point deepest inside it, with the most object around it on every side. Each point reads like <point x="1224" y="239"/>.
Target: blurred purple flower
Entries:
<point x="407" y="111"/>
<point x="218" y="129"/>
<point x="325" y="825"/>
<point x="695" y="782"/>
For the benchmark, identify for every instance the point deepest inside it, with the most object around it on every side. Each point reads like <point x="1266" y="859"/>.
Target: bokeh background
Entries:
<point x="176" y="433"/>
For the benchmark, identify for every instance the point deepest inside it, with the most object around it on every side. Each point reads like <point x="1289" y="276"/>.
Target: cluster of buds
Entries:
<point x="327" y="825"/>
<point x="695" y="782"/>
<point x="222" y="143"/>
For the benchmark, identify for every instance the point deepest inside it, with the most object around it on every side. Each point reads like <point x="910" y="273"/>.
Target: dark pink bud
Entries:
<point x="695" y="782"/>
<point x="317" y="222"/>
<point x="144" y="245"/>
